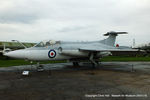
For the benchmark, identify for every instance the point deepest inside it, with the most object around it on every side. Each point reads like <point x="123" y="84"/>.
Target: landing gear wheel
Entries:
<point x="75" y="64"/>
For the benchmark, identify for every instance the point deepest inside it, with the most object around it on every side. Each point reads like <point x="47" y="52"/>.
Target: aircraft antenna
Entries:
<point x="133" y="43"/>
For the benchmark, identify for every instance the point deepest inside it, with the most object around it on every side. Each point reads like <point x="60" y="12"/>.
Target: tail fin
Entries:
<point x="112" y="38"/>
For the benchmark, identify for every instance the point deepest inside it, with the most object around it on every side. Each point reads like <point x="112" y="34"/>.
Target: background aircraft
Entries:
<point x="72" y="51"/>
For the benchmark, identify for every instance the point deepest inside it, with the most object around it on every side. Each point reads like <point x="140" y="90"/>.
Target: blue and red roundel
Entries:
<point x="52" y="54"/>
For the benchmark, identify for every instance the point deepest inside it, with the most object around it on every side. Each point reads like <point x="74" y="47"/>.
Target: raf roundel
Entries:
<point x="52" y="54"/>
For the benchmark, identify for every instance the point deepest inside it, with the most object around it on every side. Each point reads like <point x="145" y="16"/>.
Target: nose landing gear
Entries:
<point x="39" y="67"/>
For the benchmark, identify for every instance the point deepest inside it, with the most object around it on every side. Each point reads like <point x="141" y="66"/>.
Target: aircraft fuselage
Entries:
<point x="62" y="51"/>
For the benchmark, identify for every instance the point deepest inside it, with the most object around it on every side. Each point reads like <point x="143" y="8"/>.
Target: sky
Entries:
<point x="74" y="20"/>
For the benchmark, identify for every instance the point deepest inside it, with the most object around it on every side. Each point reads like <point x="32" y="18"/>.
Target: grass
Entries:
<point x="125" y="58"/>
<point x="7" y="63"/>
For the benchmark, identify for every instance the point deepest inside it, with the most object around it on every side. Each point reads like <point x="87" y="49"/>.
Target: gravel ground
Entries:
<point x="110" y="81"/>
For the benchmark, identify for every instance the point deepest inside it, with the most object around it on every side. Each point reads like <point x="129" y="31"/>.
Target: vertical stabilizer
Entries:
<point x="112" y="38"/>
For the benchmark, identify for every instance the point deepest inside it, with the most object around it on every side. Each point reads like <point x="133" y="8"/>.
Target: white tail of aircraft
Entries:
<point x="112" y="38"/>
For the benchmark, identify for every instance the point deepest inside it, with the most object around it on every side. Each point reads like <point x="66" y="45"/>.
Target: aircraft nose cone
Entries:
<point x="11" y="54"/>
<point x="15" y="54"/>
<point x="5" y="54"/>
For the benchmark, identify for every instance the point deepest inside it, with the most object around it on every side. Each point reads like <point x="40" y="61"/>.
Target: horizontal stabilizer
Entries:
<point x="114" y="33"/>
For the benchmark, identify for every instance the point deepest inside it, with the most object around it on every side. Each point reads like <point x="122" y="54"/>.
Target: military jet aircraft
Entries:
<point x="72" y="51"/>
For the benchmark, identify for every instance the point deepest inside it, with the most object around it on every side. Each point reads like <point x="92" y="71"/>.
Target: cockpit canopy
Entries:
<point x="47" y="43"/>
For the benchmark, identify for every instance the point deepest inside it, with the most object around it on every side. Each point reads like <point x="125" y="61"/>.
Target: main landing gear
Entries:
<point x="93" y="61"/>
<point x="75" y="64"/>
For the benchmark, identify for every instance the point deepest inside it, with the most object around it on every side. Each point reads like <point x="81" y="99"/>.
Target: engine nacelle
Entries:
<point x="75" y="53"/>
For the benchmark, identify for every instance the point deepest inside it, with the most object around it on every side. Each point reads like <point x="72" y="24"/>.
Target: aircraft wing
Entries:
<point x="100" y="49"/>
